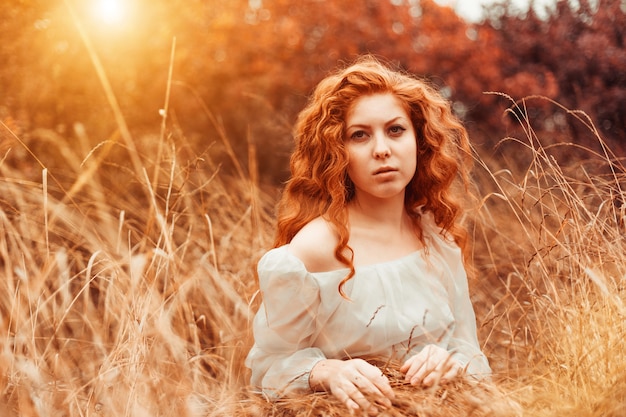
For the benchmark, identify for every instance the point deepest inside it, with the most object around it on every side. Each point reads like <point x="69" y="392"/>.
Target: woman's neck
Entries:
<point x="381" y="231"/>
<point x="379" y="213"/>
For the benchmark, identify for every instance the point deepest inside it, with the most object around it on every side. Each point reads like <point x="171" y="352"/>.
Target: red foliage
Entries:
<point x="252" y="63"/>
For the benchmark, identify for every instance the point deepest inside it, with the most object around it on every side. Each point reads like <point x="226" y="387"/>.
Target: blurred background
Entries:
<point x="245" y="67"/>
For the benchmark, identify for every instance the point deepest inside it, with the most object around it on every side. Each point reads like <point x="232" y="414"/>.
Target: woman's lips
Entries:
<point x="384" y="170"/>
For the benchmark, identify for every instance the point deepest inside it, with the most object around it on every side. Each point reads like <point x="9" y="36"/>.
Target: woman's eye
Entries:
<point x="359" y="134"/>
<point x="396" y="130"/>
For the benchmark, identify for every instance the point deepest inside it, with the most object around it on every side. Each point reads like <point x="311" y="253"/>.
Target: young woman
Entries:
<point x="368" y="253"/>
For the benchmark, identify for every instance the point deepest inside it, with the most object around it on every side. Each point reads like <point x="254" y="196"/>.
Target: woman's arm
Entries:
<point x="464" y="344"/>
<point x="283" y="355"/>
<point x="435" y="364"/>
<point x="283" y="360"/>
<point x="463" y="354"/>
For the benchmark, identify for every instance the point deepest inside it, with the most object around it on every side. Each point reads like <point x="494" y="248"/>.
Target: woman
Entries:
<point x="367" y="259"/>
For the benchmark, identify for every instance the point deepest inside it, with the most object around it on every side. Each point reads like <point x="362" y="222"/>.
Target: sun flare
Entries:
<point x="111" y="12"/>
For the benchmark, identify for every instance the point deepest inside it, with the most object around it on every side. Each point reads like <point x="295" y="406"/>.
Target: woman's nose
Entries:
<point x="381" y="147"/>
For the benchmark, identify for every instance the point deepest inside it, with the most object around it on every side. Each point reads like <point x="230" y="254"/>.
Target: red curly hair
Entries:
<point x="319" y="184"/>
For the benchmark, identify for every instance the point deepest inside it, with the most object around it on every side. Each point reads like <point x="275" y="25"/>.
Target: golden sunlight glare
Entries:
<point x="110" y="11"/>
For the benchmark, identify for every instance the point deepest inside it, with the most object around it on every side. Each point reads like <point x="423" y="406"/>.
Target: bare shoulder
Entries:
<point x="315" y="245"/>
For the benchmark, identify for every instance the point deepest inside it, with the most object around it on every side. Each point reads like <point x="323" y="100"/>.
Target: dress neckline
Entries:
<point x="399" y="260"/>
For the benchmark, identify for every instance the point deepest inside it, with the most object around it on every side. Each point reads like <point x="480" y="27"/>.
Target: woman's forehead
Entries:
<point x="379" y="106"/>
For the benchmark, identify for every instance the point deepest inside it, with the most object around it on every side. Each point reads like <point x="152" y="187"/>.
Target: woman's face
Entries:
<point x="381" y="145"/>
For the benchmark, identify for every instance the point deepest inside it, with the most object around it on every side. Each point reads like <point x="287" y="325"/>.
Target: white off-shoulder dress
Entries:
<point x="395" y="309"/>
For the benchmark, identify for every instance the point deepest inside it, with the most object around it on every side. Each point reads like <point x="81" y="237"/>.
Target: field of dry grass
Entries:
<point x="128" y="284"/>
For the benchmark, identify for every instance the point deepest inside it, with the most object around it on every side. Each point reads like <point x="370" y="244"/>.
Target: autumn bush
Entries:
<point x="253" y="63"/>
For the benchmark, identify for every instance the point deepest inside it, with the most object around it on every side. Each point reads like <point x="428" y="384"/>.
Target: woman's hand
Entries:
<point x="356" y="383"/>
<point x="431" y="366"/>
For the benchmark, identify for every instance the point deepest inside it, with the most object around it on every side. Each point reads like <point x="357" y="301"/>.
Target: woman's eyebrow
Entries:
<point x="358" y="126"/>
<point x="395" y="119"/>
<point x="365" y="125"/>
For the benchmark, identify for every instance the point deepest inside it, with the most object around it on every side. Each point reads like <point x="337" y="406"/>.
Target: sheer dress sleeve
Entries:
<point x="282" y="357"/>
<point x="464" y="341"/>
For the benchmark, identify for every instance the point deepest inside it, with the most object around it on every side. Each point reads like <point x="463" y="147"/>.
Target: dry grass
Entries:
<point x="125" y="297"/>
<point x="129" y="295"/>
<point x="550" y="257"/>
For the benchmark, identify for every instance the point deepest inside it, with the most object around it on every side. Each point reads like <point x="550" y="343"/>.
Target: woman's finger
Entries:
<point x="428" y="363"/>
<point x="452" y="373"/>
<point x="435" y="364"/>
<point x="446" y="368"/>
<point x="377" y="384"/>
<point x="414" y="368"/>
<point x="358" y="398"/>
<point x="375" y="391"/>
<point x="341" y="395"/>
